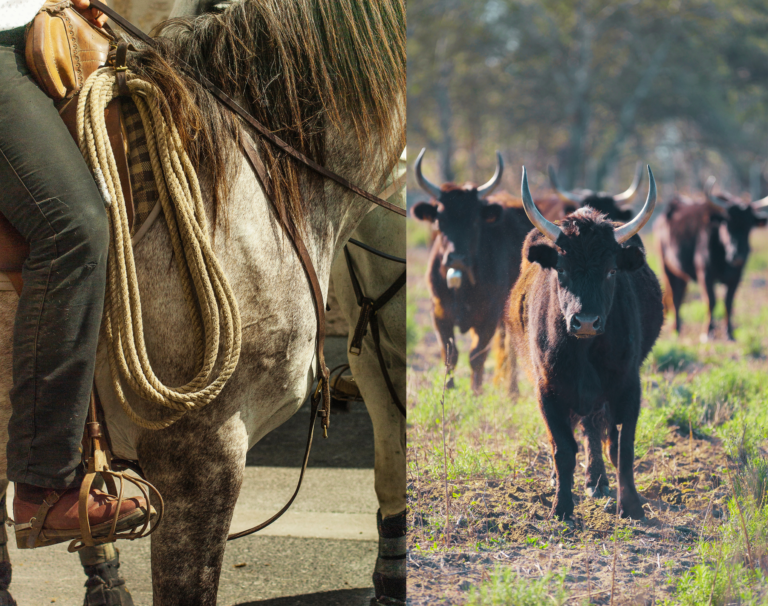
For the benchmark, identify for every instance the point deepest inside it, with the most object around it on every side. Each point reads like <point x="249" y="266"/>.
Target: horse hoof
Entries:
<point x="386" y="601"/>
<point x="6" y="599"/>
<point x="105" y="586"/>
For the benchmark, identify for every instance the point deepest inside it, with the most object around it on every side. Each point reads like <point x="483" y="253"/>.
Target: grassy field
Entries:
<point x="701" y="465"/>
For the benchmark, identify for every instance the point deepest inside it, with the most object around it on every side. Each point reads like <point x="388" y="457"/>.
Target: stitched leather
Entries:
<point x="63" y="49"/>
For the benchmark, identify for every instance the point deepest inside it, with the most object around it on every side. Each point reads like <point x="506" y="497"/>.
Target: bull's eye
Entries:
<point x="611" y="273"/>
<point x="560" y="271"/>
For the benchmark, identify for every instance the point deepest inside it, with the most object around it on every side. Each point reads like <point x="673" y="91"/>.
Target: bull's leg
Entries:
<point x="596" y="477"/>
<point x="448" y="351"/>
<point x="676" y="292"/>
<point x="199" y="471"/>
<point x="729" y="295"/>
<point x="5" y="560"/>
<point x="629" y="500"/>
<point x="481" y="340"/>
<point x="708" y="291"/>
<point x="564" y="449"/>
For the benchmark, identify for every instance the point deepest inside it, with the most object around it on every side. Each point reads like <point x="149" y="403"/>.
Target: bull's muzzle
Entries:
<point x="584" y="325"/>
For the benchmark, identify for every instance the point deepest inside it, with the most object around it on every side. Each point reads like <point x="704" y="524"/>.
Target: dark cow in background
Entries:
<point x="708" y="243"/>
<point x="583" y="316"/>
<point x="473" y="263"/>
<point x="608" y="204"/>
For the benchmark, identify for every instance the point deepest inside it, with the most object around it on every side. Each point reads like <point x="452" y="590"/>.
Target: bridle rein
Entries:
<point x="368" y="307"/>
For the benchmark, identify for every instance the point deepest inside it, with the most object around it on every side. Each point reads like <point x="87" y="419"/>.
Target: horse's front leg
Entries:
<point x="199" y="470"/>
<point x="390" y="481"/>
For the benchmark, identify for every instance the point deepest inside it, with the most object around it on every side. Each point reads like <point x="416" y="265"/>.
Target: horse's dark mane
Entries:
<point x="302" y="66"/>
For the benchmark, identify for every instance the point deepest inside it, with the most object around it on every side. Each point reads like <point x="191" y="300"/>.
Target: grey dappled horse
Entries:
<point x="197" y="464"/>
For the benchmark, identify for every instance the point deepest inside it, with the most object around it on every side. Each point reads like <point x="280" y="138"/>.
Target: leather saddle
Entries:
<point x="62" y="43"/>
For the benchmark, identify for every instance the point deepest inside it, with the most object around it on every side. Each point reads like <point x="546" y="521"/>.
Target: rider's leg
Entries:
<point x="49" y="195"/>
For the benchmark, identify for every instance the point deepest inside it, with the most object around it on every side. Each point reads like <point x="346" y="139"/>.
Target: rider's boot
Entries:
<point x="5" y="560"/>
<point x="389" y="574"/>
<point x="45" y="517"/>
<point x="105" y="586"/>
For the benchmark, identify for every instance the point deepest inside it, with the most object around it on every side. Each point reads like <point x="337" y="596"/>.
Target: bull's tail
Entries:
<point x="505" y="374"/>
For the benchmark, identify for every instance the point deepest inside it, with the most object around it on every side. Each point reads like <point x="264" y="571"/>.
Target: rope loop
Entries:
<point x="211" y="304"/>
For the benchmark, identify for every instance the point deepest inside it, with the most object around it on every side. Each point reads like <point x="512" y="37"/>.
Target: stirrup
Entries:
<point x="32" y="534"/>
<point x="146" y="520"/>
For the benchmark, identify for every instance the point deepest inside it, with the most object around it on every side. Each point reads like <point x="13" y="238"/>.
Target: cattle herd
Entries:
<point x="566" y="284"/>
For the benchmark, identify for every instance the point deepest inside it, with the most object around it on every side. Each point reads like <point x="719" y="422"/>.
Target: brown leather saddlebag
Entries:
<point x="63" y="49"/>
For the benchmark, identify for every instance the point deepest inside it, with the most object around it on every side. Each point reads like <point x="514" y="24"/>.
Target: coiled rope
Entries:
<point x="210" y="300"/>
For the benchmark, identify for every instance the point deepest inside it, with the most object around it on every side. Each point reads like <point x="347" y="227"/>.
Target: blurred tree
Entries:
<point x="577" y="82"/>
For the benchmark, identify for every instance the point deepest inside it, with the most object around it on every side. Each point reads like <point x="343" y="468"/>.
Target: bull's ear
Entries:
<point x="630" y="258"/>
<point x="490" y="213"/>
<point x="424" y="211"/>
<point x="544" y="255"/>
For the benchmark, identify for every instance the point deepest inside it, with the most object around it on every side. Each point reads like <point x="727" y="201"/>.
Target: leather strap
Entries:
<point x="322" y="392"/>
<point x="377" y="252"/>
<point x="312" y="417"/>
<point x="232" y="105"/>
<point x="309" y="269"/>
<point x="37" y="522"/>
<point x="121" y="67"/>
<point x="368" y="309"/>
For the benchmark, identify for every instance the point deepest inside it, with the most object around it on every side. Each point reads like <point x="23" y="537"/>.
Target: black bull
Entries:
<point x="583" y="316"/>
<point x="708" y="243"/>
<point x="473" y="263"/>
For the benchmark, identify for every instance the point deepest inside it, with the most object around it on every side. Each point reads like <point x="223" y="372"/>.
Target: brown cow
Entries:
<point x="708" y="243"/>
<point x="474" y="261"/>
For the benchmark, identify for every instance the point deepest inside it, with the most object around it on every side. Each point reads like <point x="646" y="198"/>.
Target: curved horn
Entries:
<point x="431" y="189"/>
<point x="625" y="232"/>
<point x="715" y="201"/>
<point x="486" y="189"/>
<point x="566" y="195"/>
<point x="630" y="193"/>
<point x="549" y="229"/>
<point x="761" y="203"/>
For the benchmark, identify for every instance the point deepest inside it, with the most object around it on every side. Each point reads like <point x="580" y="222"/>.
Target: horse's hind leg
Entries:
<point x="389" y="440"/>
<point x="198" y="470"/>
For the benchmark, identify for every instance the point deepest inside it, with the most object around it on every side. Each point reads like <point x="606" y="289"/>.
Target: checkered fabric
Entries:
<point x="142" y="178"/>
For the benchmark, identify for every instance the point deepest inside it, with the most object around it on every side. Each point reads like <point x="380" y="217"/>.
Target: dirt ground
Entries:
<point x="683" y="488"/>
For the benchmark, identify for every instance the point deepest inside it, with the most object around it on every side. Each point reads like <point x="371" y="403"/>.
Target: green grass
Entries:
<point x="506" y="588"/>
<point x="726" y="572"/>
<point x="414" y="332"/>
<point x="417" y="234"/>
<point x="669" y="355"/>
